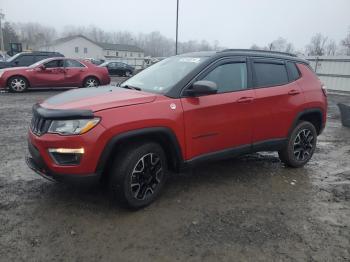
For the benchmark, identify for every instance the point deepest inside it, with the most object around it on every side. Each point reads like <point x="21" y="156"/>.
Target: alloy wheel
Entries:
<point x="146" y="176"/>
<point x="91" y="82"/>
<point x="18" y="84"/>
<point x="303" y="145"/>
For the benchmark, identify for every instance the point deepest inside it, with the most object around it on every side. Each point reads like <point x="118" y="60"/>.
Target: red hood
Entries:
<point x="98" y="98"/>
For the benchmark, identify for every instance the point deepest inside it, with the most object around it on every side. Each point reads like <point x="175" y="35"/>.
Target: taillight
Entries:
<point x="324" y="89"/>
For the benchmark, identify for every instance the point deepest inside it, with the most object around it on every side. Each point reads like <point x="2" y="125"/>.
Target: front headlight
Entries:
<point x="1" y="72"/>
<point x="72" y="127"/>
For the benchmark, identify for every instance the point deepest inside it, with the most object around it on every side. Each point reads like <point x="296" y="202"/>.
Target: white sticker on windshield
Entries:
<point x="190" y="60"/>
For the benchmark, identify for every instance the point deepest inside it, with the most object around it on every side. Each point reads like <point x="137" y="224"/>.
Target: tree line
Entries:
<point x="34" y="35"/>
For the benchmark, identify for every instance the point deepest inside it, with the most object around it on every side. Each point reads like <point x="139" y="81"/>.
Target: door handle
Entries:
<point x="293" y="92"/>
<point x="245" y="99"/>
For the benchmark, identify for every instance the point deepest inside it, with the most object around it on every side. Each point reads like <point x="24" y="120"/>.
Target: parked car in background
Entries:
<point x="54" y="72"/>
<point x="182" y="111"/>
<point x="118" y="68"/>
<point x="27" y="58"/>
<point x="94" y="61"/>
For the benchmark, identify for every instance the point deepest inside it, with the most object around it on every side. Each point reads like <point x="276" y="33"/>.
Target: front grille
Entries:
<point x="39" y="125"/>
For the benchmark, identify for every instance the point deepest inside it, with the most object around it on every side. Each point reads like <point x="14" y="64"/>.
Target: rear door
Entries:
<point x="223" y="120"/>
<point x="277" y="101"/>
<point x="52" y="76"/>
<point x="73" y="71"/>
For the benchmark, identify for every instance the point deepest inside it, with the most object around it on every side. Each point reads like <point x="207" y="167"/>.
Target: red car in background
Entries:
<point x="54" y="72"/>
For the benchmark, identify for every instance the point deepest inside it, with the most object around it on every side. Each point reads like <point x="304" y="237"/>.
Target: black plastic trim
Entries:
<point x="114" y="141"/>
<point x="305" y="112"/>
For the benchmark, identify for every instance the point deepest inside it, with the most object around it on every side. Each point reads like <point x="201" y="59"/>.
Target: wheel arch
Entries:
<point x="90" y="75"/>
<point x="164" y="136"/>
<point x="312" y="115"/>
<point x="17" y="75"/>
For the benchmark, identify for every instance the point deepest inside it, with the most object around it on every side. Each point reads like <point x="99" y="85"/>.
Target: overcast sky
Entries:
<point x="234" y="23"/>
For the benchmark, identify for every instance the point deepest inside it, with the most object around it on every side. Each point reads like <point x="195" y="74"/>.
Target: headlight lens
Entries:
<point x="72" y="127"/>
<point x="1" y="72"/>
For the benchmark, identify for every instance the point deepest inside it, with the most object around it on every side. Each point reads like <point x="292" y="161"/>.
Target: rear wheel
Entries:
<point x="91" y="82"/>
<point x="17" y="84"/>
<point x="138" y="174"/>
<point x="301" y="145"/>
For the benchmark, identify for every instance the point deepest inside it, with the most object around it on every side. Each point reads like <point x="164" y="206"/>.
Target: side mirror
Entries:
<point x="202" y="87"/>
<point x="42" y="67"/>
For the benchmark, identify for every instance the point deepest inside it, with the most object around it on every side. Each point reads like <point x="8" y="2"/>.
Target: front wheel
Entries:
<point x="17" y="84"/>
<point x="91" y="82"/>
<point x="301" y="145"/>
<point x="138" y="174"/>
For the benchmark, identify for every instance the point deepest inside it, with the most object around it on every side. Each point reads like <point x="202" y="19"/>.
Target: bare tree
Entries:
<point x="317" y="46"/>
<point x="331" y="48"/>
<point x="9" y="35"/>
<point x="281" y="45"/>
<point x="346" y="43"/>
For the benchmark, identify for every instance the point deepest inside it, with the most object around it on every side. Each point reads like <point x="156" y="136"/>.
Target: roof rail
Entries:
<point x="260" y="51"/>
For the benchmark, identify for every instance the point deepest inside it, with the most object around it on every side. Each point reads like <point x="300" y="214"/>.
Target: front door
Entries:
<point x="51" y="75"/>
<point x="224" y="120"/>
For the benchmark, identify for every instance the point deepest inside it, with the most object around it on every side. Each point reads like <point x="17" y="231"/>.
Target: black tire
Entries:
<point x="89" y="80"/>
<point x="301" y="145"/>
<point x="138" y="174"/>
<point x="17" y="84"/>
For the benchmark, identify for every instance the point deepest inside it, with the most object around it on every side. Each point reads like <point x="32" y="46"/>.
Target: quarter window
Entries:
<point x="293" y="71"/>
<point x="270" y="74"/>
<point x="229" y="77"/>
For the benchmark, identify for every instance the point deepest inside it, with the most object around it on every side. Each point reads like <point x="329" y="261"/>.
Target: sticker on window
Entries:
<point x="190" y="60"/>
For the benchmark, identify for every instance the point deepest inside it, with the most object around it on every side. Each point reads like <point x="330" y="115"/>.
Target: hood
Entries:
<point x="98" y="98"/>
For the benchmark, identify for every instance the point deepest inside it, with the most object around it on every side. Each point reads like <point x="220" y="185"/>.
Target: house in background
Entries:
<point x="79" y="46"/>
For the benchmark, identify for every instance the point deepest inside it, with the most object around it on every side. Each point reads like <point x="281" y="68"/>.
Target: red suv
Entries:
<point x="54" y="72"/>
<point x="179" y="112"/>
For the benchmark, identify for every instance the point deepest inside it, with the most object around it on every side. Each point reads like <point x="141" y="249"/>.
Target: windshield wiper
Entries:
<point x="131" y="87"/>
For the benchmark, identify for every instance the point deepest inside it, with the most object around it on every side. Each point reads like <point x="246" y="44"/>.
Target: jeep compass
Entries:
<point x="179" y="112"/>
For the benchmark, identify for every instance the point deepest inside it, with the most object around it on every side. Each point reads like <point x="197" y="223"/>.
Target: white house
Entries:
<point x="79" y="46"/>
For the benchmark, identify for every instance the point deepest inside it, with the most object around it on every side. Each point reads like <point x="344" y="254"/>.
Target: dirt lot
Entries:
<point x="250" y="208"/>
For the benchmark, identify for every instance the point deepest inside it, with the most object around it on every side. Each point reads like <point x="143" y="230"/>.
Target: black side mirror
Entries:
<point x="42" y="67"/>
<point x="202" y="87"/>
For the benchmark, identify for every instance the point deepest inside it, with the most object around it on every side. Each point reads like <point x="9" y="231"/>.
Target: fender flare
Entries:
<point x="305" y="112"/>
<point x="174" y="147"/>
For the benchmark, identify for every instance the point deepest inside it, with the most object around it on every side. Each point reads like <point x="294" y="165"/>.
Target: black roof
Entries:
<point x="249" y="52"/>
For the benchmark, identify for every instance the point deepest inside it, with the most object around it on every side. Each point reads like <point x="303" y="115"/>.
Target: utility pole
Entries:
<point x="2" y="16"/>
<point x="177" y="25"/>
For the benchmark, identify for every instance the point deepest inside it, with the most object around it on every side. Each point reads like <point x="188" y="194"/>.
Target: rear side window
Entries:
<point x="39" y="58"/>
<point x="293" y="71"/>
<point x="270" y="74"/>
<point x="72" y="63"/>
<point x="229" y="77"/>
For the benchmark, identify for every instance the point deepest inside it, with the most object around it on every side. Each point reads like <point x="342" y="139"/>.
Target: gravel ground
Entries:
<point x="250" y="208"/>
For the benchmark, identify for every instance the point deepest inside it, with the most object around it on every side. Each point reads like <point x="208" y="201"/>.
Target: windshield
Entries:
<point x="161" y="77"/>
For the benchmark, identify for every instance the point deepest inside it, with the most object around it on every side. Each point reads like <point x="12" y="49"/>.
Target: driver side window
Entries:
<point x="229" y="77"/>
<point x="54" y="64"/>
